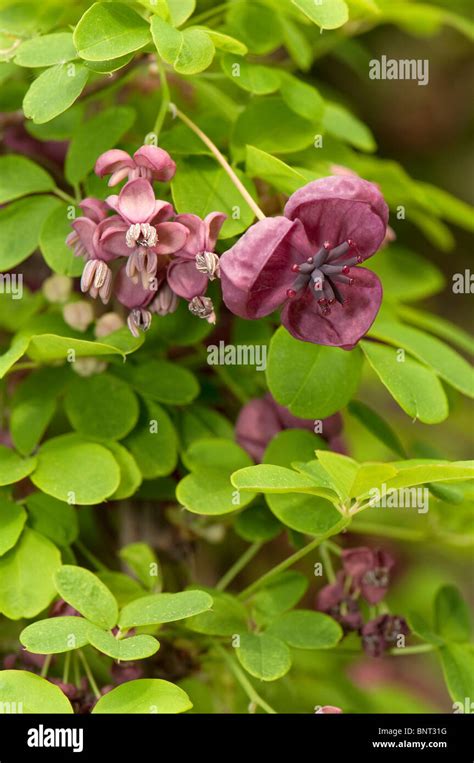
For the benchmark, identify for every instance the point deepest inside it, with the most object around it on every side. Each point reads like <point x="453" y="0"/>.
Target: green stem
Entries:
<point x="327" y="562"/>
<point x="419" y="649"/>
<point x="222" y="161"/>
<point x="90" y="556"/>
<point x="209" y="14"/>
<point x="26" y="366"/>
<point x="46" y="664"/>
<point x="66" y="668"/>
<point x="88" y="673"/>
<point x="229" y="382"/>
<point x="241" y="562"/>
<point x="77" y="672"/>
<point x="64" y="196"/>
<point x="387" y="531"/>
<point x="165" y="99"/>
<point x="244" y="682"/>
<point x="300" y="554"/>
<point x="336" y="550"/>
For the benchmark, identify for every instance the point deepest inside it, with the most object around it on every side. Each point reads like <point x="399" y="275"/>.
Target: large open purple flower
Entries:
<point x="148" y="162"/>
<point x="307" y="262"/>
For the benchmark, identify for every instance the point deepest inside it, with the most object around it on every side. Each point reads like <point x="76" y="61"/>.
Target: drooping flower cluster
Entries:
<point x="307" y="262"/>
<point x="164" y="256"/>
<point x="261" y="419"/>
<point x="365" y="574"/>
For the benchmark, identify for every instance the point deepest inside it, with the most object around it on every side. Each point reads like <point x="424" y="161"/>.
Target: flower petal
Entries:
<point x="338" y="208"/>
<point x="256" y="425"/>
<point x="171" y="238"/>
<point x="157" y="160"/>
<point x="256" y="272"/>
<point x="110" y="239"/>
<point x="131" y="295"/>
<point x="85" y="229"/>
<point x="196" y="241"/>
<point x="136" y="202"/>
<point x="185" y="280"/>
<point x="163" y="211"/>
<point x="345" y="324"/>
<point x="214" y="222"/>
<point x="111" y="161"/>
<point x="94" y="209"/>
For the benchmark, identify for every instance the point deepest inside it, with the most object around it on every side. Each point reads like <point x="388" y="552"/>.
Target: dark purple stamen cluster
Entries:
<point x="323" y="271"/>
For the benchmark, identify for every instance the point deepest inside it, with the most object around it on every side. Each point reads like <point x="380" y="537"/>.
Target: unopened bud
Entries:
<point x="57" y="288"/>
<point x="88" y="366"/>
<point x="78" y="315"/>
<point x="202" y="307"/>
<point x="107" y="324"/>
<point x="165" y="302"/>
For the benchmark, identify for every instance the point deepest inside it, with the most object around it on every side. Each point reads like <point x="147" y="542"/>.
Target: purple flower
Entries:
<point x="336" y="601"/>
<point x="382" y="633"/>
<point x="307" y="263"/>
<point x="148" y="162"/>
<point x="81" y="237"/>
<point x="262" y="418"/>
<point x="136" y="298"/>
<point x="369" y="570"/>
<point x="196" y="262"/>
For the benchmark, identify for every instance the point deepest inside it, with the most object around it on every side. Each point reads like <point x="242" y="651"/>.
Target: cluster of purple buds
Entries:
<point x="164" y="256"/>
<point x="365" y="574"/>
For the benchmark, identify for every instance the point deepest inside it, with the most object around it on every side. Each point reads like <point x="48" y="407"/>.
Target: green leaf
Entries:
<point x="26" y="588"/>
<point x="421" y="471"/>
<point x="12" y="521"/>
<point x="312" y="381"/>
<point x="339" y="122"/>
<point x="377" y="426"/>
<point x="112" y="65"/>
<point x="13" y="468"/>
<point x="154" y="443"/>
<point x="200" y="186"/>
<point x="341" y="469"/>
<point x="259" y="124"/>
<point x="281" y="593"/>
<point x="452" y="616"/>
<point x="406" y="275"/>
<point x="52" y="242"/>
<point x="190" y="51"/>
<point x="50" y="49"/>
<point x="227" y="616"/>
<point x="55" y="635"/>
<point x="123" y="587"/>
<point x="85" y="592"/>
<point x="422" y="629"/>
<point x="165" y="382"/>
<point x="226" y="43"/>
<point x="266" y="478"/>
<point x="181" y="10"/>
<point x="145" y="695"/>
<point x="297" y="45"/>
<point x="458" y="669"/>
<point x="438" y="326"/>
<point x="101" y="407"/>
<point x="254" y="78"/>
<point x="32" y="693"/>
<point x="33" y="406"/>
<point x="257" y="524"/>
<point x="76" y="471"/>
<point x="263" y="656"/>
<point x="55" y="519"/>
<point x="415" y="388"/>
<point x="27" y="216"/>
<point x="214" y="452"/>
<point x="20" y="176"/>
<point x="301" y="97"/>
<point x="49" y="347"/>
<point x="110" y="30"/>
<point x="54" y="91"/>
<point x="304" y="629"/>
<point x="292" y="445"/>
<point x="256" y="25"/>
<point x="327" y="14"/>
<point x="164" y="608"/>
<point x="267" y="167"/>
<point x="306" y="514"/>
<point x="199" y="422"/>
<point x="429" y="350"/>
<point x="95" y="136"/>
<point x="143" y="562"/>
<point x="133" y="648"/>
<point x="130" y="474"/>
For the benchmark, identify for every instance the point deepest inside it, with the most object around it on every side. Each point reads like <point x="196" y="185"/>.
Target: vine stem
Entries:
<point x="327" y="562"/>
<point x="91" y="558"/>
<point x="210" y="13"/>
<point x="222" y="161"/>
<point x="88" y="673"/>
<point x="46" y="664"/>
<point x="289" y="561"/>
<point x="165" y="98"/>
<point x="418" y="649"/>
<point x="387" y="531"/>
<point x="66" y="668"/>
<point x="64" y="196"/>
<point x="241" y="562"/>
<point x="244" y="682"/>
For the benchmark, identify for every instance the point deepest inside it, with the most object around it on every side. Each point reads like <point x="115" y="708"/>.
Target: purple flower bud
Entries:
<point x="382" y="633"/>
<point x="202" y="307"/>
